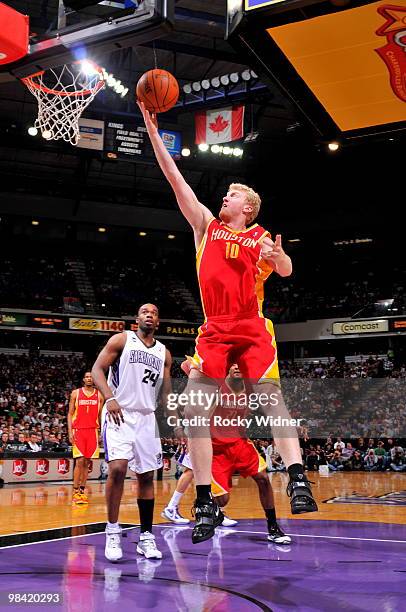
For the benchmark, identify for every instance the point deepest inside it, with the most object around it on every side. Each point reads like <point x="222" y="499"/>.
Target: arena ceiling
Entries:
<point x="304" y="186"/>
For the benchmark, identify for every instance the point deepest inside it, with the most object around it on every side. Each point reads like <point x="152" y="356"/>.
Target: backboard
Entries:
<point x="62" y="31"/>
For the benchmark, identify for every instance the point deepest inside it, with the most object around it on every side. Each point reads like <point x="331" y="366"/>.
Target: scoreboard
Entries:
<point x="124" y="141"/>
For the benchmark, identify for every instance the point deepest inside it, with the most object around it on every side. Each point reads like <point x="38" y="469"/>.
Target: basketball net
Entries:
<point x="63" y="94"/>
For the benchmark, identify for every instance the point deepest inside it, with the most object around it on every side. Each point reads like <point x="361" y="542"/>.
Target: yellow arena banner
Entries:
<point x="353" y="61"/>
<point x="102" y="325"/>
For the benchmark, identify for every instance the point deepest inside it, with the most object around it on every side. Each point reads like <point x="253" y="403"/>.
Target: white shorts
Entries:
<point x="185" y="461"/>
<point x="136" y="440"/>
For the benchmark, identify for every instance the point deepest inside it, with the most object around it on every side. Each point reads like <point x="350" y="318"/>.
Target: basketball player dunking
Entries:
<point x="233" y="262"/>
<point x="83" y="426"/>
<point x="139" y="368"/>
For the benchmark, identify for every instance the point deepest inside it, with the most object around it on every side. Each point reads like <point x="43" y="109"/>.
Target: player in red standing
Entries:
<point x="83" y="425"/>
<point x="233" y="262"/>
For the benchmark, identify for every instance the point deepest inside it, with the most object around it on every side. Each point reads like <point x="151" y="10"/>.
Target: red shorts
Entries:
<point x="241" y="456"/>
<point x="250" y="342"/>
<point x="85" y="443"/>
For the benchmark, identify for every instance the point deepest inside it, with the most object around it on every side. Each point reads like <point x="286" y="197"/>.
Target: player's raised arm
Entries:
<point x="194" y="211"/>
<point x="106" y="358"/>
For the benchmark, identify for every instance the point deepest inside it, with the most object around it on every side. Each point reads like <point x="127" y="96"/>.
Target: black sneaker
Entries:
<point x="208" y="516"/>
<point x="277" y="536"/>
<point x="301" y="496"/>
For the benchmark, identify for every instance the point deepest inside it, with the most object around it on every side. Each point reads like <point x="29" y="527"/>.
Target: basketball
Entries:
<point x="158" y="90"/>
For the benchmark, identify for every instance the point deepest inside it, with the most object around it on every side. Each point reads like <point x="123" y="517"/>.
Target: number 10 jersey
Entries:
<point x="231" y="272"/>
<point x="136" y="376"/>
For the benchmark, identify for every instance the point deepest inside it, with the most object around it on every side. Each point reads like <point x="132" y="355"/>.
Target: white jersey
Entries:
<point x="136" y="377"/>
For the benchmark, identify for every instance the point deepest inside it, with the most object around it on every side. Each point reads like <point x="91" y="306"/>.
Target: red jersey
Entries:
<point x="86" y="415"/>
<point x="230" y="272"/>
<point x="232" y="405"/>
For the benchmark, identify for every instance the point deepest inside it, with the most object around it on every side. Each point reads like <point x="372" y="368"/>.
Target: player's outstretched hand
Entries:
<point x="150" y="119"/>
<point x="114" y="412"/>
<point x="272" y="251"/>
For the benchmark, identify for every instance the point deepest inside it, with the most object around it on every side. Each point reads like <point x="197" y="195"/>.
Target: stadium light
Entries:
<point x="142" y="233"/>
<point x="171" y="236"/>
<point x="32" y="130"/>
<point x="218" y="82"/>
<point x="34" y="222"/>
<point x="222" y="150"/>
<point x="47" y="134"/>
<point x="185" y="152"/>
<point x="101" y="230"/>
<point x="333" y="146"/>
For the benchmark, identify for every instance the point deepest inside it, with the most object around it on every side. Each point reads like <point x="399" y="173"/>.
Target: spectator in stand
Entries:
<point x="380" y="455"/>
<point x="339" y="444"/>
<point x="396" y="450"/>
<point x="32" y="444"/>
<point x="50" y="443"/>
<point x="361" y="446"/>
<point x="335" y="463"/>
<point x="356" y="462"/>
<point x="3" y="442"/>
<point x="346" y="454"/>
<point x="371" y="444"/>
<point x="370" y="461"/>
<point x="398" y="463"/>
<point x="312" y="460"/>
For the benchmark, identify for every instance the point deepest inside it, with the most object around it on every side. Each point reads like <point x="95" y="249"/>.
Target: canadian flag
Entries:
<point x="220" y="125"/>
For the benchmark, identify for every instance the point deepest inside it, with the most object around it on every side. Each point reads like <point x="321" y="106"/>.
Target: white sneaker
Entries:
<point x="227" y="522"/>
<point x="172" y="514"/>
<point x="113" y="550"/>
<point x="147" y="547"/>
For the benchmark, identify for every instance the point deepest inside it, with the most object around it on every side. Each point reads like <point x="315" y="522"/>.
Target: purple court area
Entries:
<point x="328" y="566"/>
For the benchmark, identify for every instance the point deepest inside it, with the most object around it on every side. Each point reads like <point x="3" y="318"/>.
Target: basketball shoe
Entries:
<point x="173" y="515"/>
<point x="301" y="496"/>
<point x="228" y="522"/>
<point x="113" y="550"/>
<point x="208" y="516"/>
<point x="147" y="546"/>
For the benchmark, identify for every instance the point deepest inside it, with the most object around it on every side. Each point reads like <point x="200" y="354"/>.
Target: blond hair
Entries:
<point x="253" y="200"/>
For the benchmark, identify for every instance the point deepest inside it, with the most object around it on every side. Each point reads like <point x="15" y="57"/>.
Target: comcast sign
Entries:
<point x="360" y="327"/>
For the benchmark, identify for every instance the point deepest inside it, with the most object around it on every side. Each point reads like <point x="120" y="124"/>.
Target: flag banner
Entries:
<point x="220" y="125"/>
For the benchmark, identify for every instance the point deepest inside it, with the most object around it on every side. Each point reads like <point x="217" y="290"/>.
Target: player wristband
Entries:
<point x="109" y="399"/>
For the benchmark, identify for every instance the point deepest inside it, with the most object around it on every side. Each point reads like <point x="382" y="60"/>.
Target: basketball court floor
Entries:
<point x="350" y="555"/>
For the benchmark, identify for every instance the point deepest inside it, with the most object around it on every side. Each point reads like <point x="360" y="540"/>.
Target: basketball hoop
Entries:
<point x="63" y="93"/>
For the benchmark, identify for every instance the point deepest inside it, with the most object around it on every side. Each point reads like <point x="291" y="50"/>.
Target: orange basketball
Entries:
<point x="158" y="90"/>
